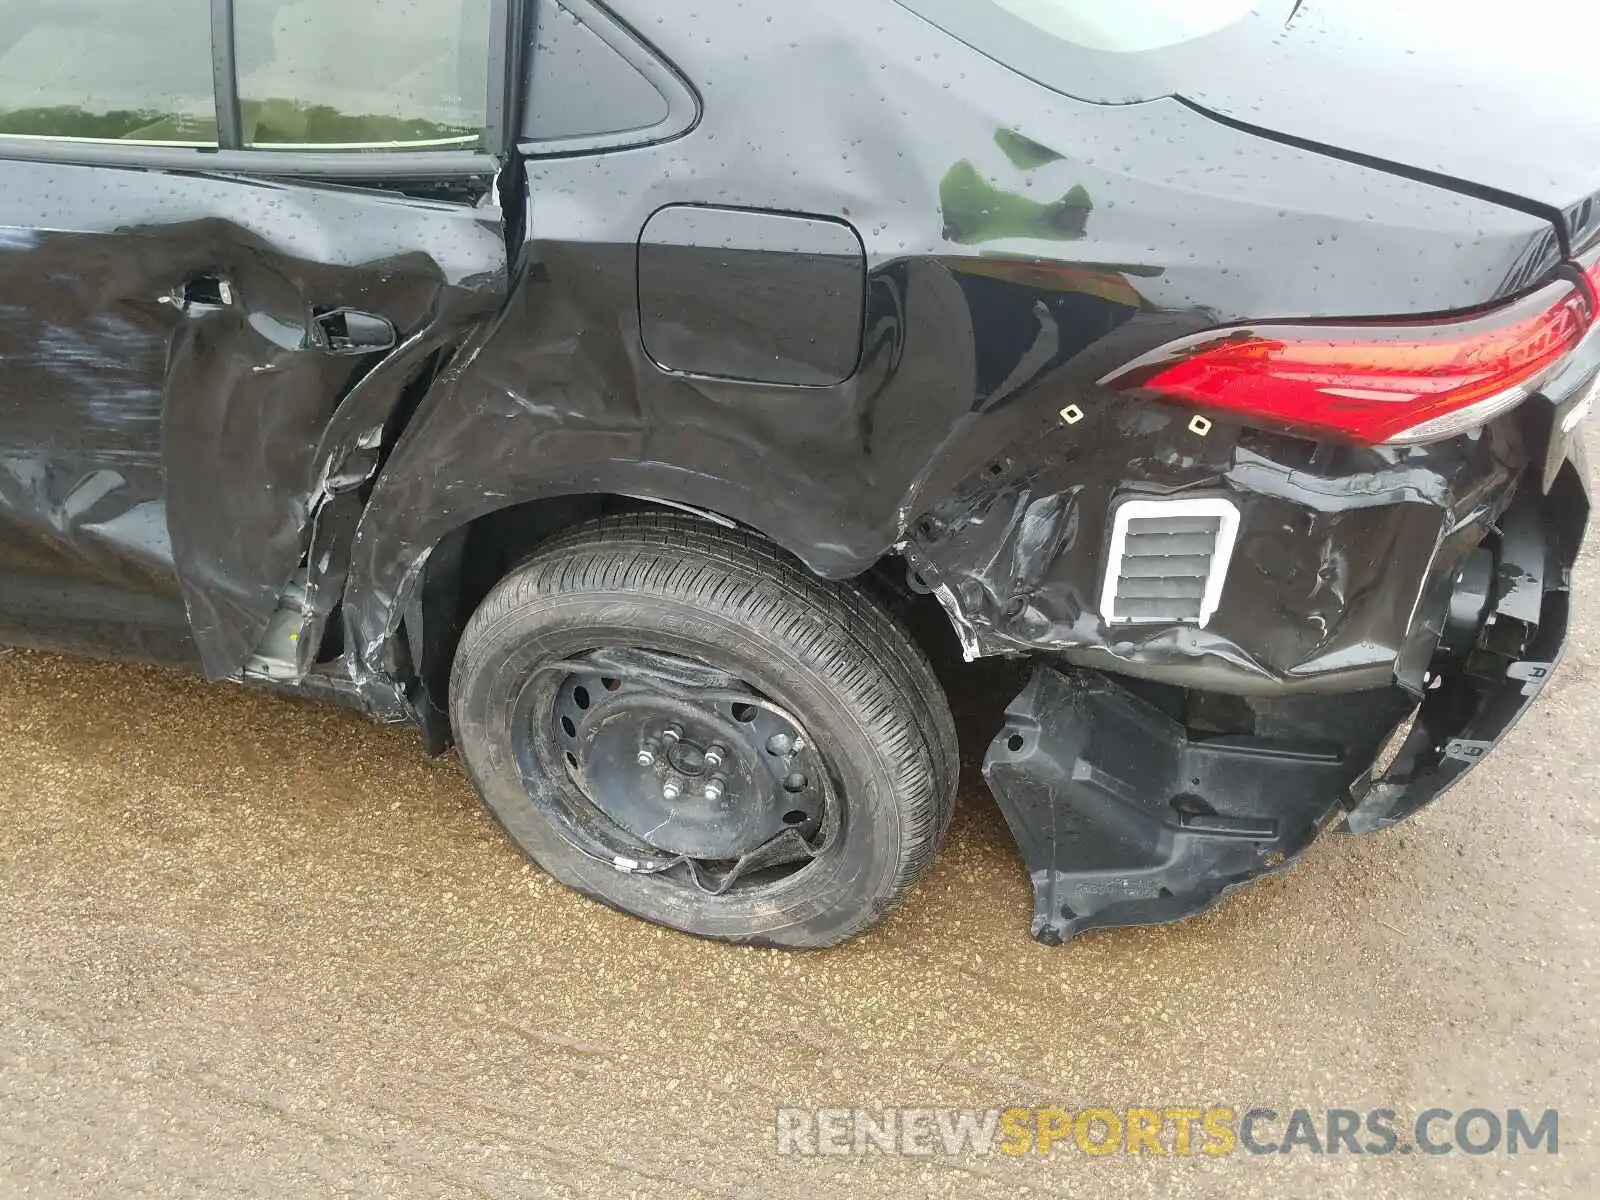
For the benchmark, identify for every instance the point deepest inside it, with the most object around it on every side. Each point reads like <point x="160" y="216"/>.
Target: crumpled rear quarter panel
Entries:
<point x="1018" y="244"/>
<point x="1337" y="545"/>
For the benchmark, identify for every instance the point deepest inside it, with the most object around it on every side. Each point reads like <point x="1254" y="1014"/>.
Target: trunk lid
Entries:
<point x="1498" y="101"/>
<point x="1503" y="99"/>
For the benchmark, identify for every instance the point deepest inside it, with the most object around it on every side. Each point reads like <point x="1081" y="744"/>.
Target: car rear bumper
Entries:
<point x="1127" y="811"/>
<point x="1473" y="707"/>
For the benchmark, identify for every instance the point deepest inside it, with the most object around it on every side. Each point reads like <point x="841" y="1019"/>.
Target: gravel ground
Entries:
<point x="256" y="947"/>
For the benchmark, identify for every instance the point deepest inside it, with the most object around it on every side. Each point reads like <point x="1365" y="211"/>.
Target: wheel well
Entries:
<point x="467" y="564"/>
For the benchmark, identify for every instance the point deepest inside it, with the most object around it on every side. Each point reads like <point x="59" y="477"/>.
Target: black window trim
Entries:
<point x="230" y="156"/>
<point x="225" y="77"/>
<point x="506" y="49"/>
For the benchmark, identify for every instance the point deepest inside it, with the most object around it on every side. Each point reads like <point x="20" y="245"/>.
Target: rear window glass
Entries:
<point x="1123" y="26"/>
<point x="107" y="69"/>
<point x="1104" y="51"/>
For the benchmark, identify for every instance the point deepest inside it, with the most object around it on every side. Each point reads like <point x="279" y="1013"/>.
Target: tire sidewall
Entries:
<point x="832" y="897"/>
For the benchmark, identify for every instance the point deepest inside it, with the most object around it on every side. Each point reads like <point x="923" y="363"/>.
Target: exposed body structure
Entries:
<point x="586" y="438"/>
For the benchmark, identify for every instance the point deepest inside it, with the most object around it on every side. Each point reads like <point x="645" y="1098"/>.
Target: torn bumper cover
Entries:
<point x="1126" y="815"/>
<point x="1473" y="702"/>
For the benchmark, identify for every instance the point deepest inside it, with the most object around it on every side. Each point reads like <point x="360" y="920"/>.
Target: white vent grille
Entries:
<point x="1169" y="559"/>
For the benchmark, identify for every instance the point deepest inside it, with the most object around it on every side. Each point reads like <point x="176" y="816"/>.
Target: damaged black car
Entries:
<point x="609" y="389"/>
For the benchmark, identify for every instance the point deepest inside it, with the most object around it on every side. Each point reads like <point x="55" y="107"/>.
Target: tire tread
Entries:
<point x="848" y="637"/>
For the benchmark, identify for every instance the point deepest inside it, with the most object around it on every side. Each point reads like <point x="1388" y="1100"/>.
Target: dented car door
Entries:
<point x="218" y="286"/>
<point x="283" y="331"/>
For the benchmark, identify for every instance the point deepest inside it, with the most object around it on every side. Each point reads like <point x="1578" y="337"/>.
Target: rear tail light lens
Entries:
<point x="1400" y="382"/>
<point x="1591" y="275"/>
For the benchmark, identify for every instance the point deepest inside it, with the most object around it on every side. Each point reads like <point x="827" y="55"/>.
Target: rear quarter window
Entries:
<point x="594" y="84"/>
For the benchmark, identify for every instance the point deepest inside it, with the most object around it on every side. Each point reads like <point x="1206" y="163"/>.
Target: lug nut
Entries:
<point x="714" y="756"/>
<point x="671" y="789"/>
<point x="780" y="744"/>
<point x="647" y="756"/>
<point x="671" y="735"/>
<point x="714" y="790"/>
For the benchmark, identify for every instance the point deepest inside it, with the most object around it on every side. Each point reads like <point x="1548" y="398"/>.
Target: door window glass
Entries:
<point x="124" y="70"/>
<point x="362" y="74"/>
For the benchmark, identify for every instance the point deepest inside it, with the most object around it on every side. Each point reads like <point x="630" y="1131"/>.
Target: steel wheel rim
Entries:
<point x="665" y="766"/>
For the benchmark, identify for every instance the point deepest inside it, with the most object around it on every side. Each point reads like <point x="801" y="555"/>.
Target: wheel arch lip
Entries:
<point x="396" y="543"/>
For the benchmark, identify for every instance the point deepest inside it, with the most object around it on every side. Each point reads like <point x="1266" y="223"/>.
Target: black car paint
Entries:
<point x="175" y="420"/>
<point x="1015" y="245"/>
<point x="1490" y="100"/>
<point x="972" y="349"/>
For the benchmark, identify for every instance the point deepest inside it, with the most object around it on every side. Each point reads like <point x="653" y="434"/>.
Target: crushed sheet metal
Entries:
<point x="1010" y="263"/>
<point x="1336" y="549"/>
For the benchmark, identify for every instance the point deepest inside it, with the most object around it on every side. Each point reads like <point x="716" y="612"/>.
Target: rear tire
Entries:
<point x="677" y="600"/>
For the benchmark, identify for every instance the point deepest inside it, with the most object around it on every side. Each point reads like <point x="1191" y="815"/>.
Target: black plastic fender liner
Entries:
<point x="1125" y="818"/>
<point x="1122" y="819"/>
<point x="1470" y="709"/>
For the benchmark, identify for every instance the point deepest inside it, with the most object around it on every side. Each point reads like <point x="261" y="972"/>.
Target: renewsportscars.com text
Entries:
<point x="1176" y="1130"/>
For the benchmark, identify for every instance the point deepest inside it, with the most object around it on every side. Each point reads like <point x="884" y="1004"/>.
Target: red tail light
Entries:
<point x="1397" y="382"/>
<point x="1591" y="274"/>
